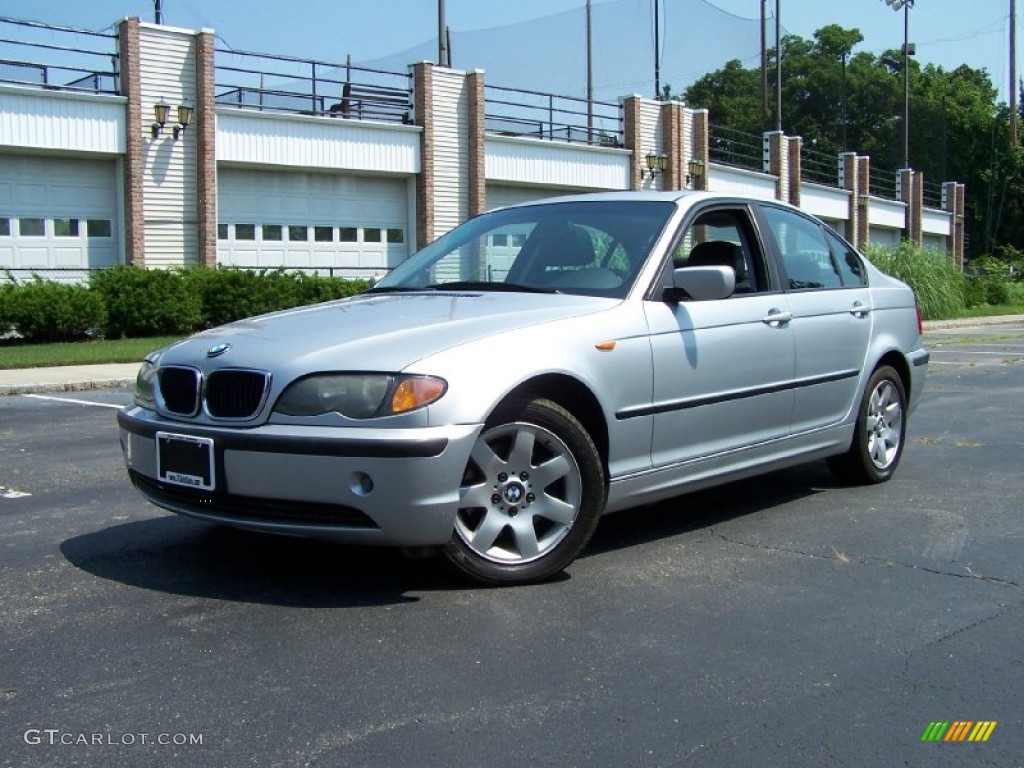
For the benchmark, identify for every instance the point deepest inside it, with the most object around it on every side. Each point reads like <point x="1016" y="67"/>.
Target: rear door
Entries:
<point x="831" y="308"/>
<point x="722" y="369"/>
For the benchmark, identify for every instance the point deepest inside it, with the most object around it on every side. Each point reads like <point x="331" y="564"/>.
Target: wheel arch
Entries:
<point x="898" y="362"/>
<point x="572" y="395"/>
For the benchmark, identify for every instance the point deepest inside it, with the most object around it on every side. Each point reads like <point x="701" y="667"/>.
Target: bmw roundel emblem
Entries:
<point x="217" y="350"/>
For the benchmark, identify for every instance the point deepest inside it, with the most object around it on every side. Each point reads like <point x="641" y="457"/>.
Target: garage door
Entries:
<point x="58" y="216"/>
<point x="349" y="226"/>
<point x="501" y="195"/>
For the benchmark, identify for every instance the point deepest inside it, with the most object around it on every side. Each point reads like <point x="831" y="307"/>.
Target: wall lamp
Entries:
<point x="184" y="118"/>
<point x="655" y="164"/>
<point x="162" y="111"/>
<point x="694" y="170"/>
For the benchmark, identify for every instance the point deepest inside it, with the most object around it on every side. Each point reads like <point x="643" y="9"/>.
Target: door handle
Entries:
<point x="859" y="309"/>
<point x="777" y="318"/>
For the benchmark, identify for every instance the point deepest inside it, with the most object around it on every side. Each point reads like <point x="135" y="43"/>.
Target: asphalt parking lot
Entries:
<point x="785" y="620"/>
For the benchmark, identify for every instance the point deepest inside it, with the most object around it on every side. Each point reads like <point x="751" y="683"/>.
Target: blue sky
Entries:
<point x="946" y="32"/>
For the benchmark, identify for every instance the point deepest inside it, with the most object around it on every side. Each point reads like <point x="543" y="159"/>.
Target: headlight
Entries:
<point x="145" y="383"/>
<point x="359" y="395"/>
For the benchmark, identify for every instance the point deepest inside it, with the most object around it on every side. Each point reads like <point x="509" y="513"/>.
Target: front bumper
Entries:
<point x="362" y="486"/>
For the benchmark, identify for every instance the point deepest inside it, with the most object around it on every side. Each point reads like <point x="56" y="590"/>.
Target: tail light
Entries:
<point x="920" y="325"/>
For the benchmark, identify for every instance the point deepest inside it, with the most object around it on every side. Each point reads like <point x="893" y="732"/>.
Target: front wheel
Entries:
<point x="878" y="438"/>
<point x="531" y="496"/>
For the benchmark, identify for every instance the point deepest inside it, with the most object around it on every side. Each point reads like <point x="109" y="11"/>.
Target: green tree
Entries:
<point x="958" y="130"/>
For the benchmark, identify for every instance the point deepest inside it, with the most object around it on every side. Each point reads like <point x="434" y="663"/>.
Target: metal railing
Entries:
<point x="267" y="82"/>
<point x="932" y="194"/>
<point x="736" y="148"/>
<point x="519" y="112"/>
<point x="58" y="58"/>
<point x="884" y="183"/>
<point x="819" y="168"/>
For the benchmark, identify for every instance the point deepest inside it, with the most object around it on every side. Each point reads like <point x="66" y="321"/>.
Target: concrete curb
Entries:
<point x="972" y="322"/>
<point x="69" y="386"/>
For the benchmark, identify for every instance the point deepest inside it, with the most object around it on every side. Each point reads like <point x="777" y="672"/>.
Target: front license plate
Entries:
<point x="185" y="460"/>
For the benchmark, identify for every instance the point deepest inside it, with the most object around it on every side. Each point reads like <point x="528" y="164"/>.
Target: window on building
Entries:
<point x="323" y="234"/>
<point x="32" y="227"/>
<point x="65" y="227"/>
<point x="371" y="234"/>
<point x="348" y="234"/>
<point x="245" y="231"/>
<point x="273" y="232"/>
<point x="99" y="228"/>
<point x="396" y="235"/>
<point x="298" y="232"/>
<point x="222" y="231"/>
<point x="5" y="227"/>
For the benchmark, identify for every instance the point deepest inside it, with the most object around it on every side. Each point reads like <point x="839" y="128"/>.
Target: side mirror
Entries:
<point x="701" y="284"/>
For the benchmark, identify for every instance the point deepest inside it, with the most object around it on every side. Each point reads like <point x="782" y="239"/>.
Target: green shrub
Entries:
<point x="147" y="302"/>
<point x="1015" y="293"/>
<point x="229" y="293"/>
<point x="317" y="288"/>
<point x="5" y="291"/>
<point x="938" y="285"/>
<point x="48" y="311"/>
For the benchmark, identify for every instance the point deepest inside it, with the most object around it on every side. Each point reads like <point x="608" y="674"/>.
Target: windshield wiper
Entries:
<point x="474" y="285"/>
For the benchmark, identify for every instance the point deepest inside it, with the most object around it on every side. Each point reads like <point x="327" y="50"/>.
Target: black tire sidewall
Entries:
<point x="870" y="472"/>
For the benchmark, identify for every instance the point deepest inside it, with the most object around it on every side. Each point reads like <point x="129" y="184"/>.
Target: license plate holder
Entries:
<point x="185" y="460"/>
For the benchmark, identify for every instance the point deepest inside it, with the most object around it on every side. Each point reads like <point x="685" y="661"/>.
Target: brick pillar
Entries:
<point x="953" y="203"/>
<point x="849" y="180"/>
<point x="917" y="209"/>
<point x="906" y="195"/>
<point x="775" y="161"/>
<point x="631" y="129"/>
<point x="864" y="201"/>
<point x="205" y="127"/>
<point x="701" y="148"/>
<point x="672" y="133"/>
<point x="134" y="164"/>
<point x="794" y="151"/>
<point x="423" y="95"/>
<point x="477" y="144"/>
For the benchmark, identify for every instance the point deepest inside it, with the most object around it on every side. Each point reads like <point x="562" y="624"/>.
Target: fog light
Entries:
<point x="362" y="484"/>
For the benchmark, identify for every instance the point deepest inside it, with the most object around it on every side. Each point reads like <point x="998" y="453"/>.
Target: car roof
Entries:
<point x="686" y="197"/>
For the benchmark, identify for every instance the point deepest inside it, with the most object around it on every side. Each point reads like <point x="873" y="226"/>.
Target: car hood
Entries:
<point x="386" y="332"/>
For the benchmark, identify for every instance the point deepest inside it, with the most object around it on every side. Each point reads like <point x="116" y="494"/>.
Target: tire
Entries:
<point x="531" y="496"/>
<point x="880" y="433"/>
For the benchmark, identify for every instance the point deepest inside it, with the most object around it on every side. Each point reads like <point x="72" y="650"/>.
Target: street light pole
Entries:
<point x="906" y="82"/>
<point x="908" y="51"/>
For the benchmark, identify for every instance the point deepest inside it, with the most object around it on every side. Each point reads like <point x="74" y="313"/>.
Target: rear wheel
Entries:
<point x="531" y="496"/>
<point x="878" y="438"/>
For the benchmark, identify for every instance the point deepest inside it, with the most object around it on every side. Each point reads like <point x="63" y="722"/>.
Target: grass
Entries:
<point x="987" y="310"/>
<point x="20" y="355"/>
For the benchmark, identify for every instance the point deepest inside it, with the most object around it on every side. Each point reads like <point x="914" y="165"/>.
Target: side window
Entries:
<point x="722" y="238"/>
<point x="850" y="266"/>
<point x="805" y="253"/>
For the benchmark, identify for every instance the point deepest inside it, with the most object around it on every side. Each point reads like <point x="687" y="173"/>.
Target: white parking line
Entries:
<point x="76" y="401"/>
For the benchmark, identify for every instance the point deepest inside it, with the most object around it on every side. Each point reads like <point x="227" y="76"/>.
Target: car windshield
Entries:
<point x="591" y="248"/>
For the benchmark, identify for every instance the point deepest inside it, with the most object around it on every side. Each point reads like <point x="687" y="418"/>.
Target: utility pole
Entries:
<point x="764" y="64"/>
<point x="442" y="37"/>
<point x="1013" y="73"/>
<point x="778" y="66"/>
<point x="590" y="80"/>
<point x="657" y="53"/>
